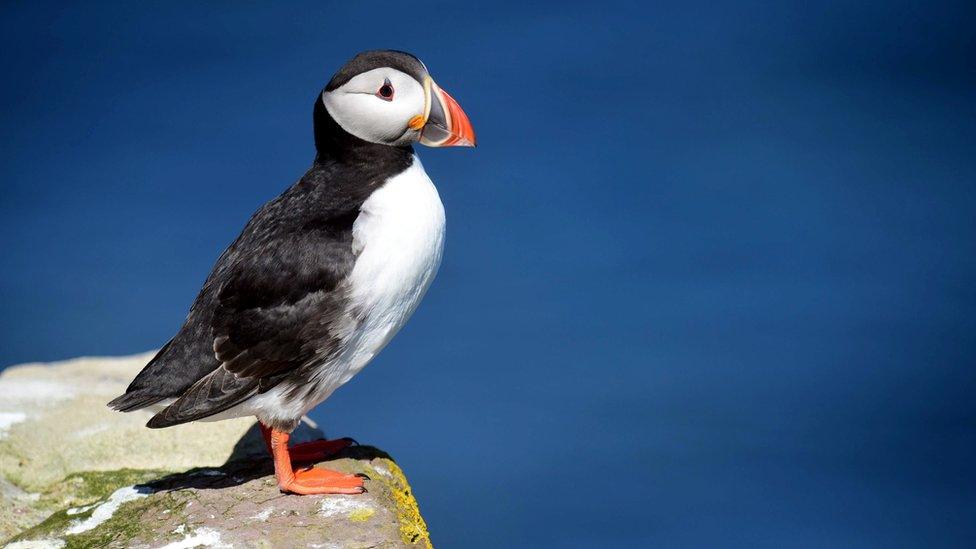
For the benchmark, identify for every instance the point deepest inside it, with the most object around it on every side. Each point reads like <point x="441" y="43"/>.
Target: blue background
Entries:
<point x="708" y="279"/>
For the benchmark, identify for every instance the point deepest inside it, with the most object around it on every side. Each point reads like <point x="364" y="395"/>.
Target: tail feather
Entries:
<point x="135" y="400"/>
<point x="218" y="391"/>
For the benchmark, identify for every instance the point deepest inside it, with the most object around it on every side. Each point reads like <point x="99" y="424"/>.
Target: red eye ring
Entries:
<point x="386" y="91"/>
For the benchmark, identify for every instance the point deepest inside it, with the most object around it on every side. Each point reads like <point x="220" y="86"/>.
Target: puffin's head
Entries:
<point x="387" y="97"/>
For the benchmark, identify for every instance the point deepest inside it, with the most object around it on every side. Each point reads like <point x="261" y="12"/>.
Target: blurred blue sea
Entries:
<point x="709" y="278"/>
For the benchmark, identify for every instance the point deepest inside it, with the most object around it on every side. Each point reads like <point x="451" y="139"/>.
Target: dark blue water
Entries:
<point x="709" y="274"/>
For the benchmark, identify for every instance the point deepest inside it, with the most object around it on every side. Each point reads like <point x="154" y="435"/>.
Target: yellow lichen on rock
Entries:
<point x="361" y="515"/>
<point x="413" y="529"/>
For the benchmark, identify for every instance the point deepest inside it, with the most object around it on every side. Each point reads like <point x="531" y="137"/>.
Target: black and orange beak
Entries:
<point x="443" y="123"/>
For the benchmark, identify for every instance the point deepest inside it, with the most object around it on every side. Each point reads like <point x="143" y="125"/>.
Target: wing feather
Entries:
<point x="277" y="312"/>
<point x="215" y="393"/>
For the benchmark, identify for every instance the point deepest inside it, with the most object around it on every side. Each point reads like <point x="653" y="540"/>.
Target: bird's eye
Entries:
<point x="386" y="91"/>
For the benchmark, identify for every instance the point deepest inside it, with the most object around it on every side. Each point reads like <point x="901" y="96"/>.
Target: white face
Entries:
<point x="377" y="106"/>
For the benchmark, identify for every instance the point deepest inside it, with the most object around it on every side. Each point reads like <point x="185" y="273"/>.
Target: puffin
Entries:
<point x="321" y="277"/>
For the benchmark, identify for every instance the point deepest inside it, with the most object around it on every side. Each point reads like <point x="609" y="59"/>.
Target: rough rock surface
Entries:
<point x="75" y="474"/>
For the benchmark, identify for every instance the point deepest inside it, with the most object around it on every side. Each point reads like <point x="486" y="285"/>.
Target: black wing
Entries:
<point x="273" y="300"/>
<point x="279" y="310"/>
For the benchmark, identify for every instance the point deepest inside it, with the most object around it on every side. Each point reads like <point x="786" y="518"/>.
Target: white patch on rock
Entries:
<point x="342" y="505"/>
<point x="383" y="471"/>
<point x="34" y="391"/>
<point x="179" y="529"/>
<point x="263" y="515"/>
<point x="7" y="419"/>
<point x="204" y="537"/>
<point x="105" y="510"/>
<point x="36" y="544"/>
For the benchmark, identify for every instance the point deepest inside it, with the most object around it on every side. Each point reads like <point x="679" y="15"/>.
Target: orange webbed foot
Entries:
<point x="314" y="480"/>
<point x="310" y="480"/>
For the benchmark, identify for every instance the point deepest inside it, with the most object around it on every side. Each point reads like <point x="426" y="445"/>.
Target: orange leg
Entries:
<point x="310" y="480"/>
<point x="310" y="451"/>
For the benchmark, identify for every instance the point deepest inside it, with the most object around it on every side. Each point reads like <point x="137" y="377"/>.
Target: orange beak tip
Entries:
<point x="450" y="126"/>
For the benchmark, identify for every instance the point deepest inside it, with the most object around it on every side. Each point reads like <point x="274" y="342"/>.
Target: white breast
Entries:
<point x="399" y="239"/>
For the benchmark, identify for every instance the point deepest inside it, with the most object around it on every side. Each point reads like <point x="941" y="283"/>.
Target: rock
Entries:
<point x="53" y="421"/>
<point x="75" y="474"/>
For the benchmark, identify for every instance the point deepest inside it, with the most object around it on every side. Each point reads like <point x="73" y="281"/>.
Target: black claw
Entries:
<point x="364" y="490"/>
<point x="363" y="476"/>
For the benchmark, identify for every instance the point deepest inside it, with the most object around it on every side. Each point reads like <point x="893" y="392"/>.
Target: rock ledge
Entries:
<point x="63" y="482"/>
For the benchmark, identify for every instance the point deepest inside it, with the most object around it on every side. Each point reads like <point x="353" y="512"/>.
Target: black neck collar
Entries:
<point x="335" y="145"/>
